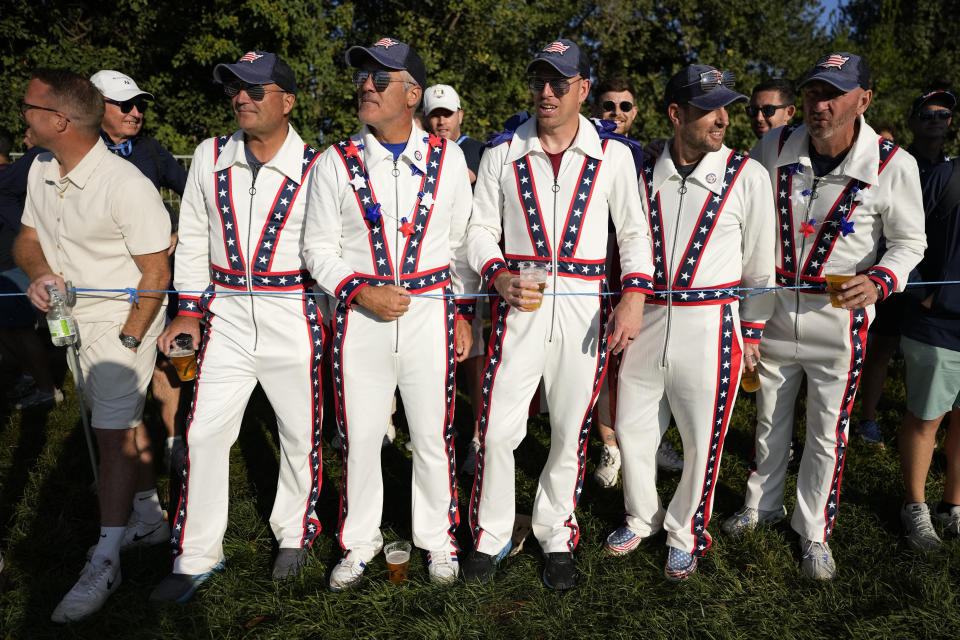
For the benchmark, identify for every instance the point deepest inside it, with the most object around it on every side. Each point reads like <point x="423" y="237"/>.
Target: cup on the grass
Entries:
<point x="836" y="271"/>
<point x="184" y="357"/>
<point x="533" y="278"/>
<point x="397" y="555"/>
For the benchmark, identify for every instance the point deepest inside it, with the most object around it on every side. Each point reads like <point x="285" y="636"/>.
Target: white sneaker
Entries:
<point x="443" y="566"/>
<point x="915" y="517"/>
<point x="816" y="560"/>
<point x="140" y="534"/>
<point x="949" y="520"/>
<point x="748" y="519"/>
<point x="96" y="583"/>
<point x="347" y="573"/>
<point x="609" y="467"/>
<point x="667" y="457"/>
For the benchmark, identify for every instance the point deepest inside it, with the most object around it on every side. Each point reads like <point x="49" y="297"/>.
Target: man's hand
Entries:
<point x="463" y="339"/>
<point x="858" y="292"/>
<point x="37" y="291"/>
<point x="751" y="355"/>
<point x="510" y="289"/>
<point x="180" y="324"/>
<point x="625" y="322"/>
<point x="388" y="302"/>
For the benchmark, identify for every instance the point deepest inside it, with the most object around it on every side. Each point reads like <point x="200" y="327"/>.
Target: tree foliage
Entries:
<point x="481" y="47"/>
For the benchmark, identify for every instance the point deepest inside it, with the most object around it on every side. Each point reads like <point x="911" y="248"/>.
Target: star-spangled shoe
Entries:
<point x="622" y="541"/>
<point x="480" y="566"/>
<point x="97" y="581"/>
<point x="680" y="564"/>
<point x="347" y="573"/>
<point x="443" y="566"/>
<point x="180" y="587"/>
<point x="816" y="560"/>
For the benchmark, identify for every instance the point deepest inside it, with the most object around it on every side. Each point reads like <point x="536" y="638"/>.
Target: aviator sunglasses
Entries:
<point x="381" y="79"/>
<point x="126" y="106"/>
<point x="559" y="86"/>
<point x="767" y="110"/>
<point x="935" y="115"/>
<point x="255" y="91"/>
<point x="610" y="105"/>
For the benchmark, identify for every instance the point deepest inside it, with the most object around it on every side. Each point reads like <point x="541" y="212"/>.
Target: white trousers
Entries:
<point x="562" y="343"/>
<point x="686" y="361"/>
<point x="806" y="336"/>
<point x="282" y="351"/>
<point x="371" y="359"/>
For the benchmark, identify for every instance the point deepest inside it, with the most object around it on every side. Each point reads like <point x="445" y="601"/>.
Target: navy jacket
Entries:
<point x="13" y="193"/>
<point x="154" y="161"/>
<point x="939" y="325"/>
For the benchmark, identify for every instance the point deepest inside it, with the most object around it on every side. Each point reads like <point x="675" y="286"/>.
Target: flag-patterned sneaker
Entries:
<point x="680" y="564"/>
<point x="622" y="541"/>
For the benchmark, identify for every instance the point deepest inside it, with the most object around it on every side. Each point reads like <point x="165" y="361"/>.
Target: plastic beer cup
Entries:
<point x="836" y="272"/>
<point x="397" y="555"/>
<point x="183" y="357"/>
<point x="533" y="278"/>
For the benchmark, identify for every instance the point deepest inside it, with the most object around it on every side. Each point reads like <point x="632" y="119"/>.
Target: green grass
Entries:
<point x="744" y="589"/>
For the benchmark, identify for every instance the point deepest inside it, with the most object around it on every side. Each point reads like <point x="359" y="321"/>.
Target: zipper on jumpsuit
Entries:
<point x="553" y="259"/>
<point x="670" y="271"/>
<point x="250" y="257"/>
<point x="803" y="247"/>
<point x="398" y="256"/>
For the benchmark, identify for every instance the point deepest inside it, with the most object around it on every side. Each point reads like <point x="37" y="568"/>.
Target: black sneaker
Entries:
<point x="480" y="567"/>
<point x="560" y="571"/>
<point x="180" y="587"/>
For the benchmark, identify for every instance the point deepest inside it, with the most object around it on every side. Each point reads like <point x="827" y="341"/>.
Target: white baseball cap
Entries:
<point x="440" y="96"/>
<point x="117" y="86"/>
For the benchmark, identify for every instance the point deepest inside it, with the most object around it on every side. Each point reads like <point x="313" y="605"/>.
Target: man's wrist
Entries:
<point x="129" y="341"/>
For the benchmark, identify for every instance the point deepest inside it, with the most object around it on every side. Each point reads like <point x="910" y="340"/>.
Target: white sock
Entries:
<point x="172" y="439"/>
<point x="147" y="506"/>
<point x="108" y="548"/>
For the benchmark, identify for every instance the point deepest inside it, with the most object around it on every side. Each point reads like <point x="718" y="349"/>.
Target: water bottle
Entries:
<point x="63" y="328"/>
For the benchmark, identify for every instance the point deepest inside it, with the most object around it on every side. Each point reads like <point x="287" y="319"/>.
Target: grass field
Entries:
<point x="744" y="589"/>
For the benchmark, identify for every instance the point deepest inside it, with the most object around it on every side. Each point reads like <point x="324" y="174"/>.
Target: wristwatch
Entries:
<point x="129" y="341"/>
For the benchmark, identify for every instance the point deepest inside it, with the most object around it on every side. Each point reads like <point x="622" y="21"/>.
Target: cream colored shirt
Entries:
<point x="92" y="222"/>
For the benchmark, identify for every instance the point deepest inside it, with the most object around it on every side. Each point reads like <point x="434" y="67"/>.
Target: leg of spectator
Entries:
<point x="875" y="373"/>
<point x="951" y="448"/>
<point x="916" y="442"/>
<point x="119" y="460"/>
<point x="166" y="391"/>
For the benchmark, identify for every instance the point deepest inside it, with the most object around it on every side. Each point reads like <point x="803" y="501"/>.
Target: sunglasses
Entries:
<point x="381" y="79"/>
<point x="767" y="110"/>
<point x="935" y="115"/>
<point x="26" y="106"/>
<point x="610" y="105"/>
<point x="559" y="86"/>
<point x="126" y="106"/>
<point x="710" y="80"/>
<point x="255" y="91"/>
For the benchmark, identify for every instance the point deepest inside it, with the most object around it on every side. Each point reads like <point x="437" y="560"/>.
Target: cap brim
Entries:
<point x="717" y="99"/>
<point x="566" y="72"/>
<point x="357" y="55"/>
<point x="243" y="72"/>
<point x="844" y="84"/>
<point x="128" y="94"/>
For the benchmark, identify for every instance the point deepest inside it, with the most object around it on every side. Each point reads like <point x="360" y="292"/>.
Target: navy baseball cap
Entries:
<point x="845" y="71"/>
<point x="564" y="56"/>
<point x="702" y="86"/>
<point x="940" y="95"/>
<point x="392" y="54"/>
<point x="258" y="67"/>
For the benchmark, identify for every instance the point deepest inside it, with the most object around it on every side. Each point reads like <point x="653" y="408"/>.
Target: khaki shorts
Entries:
<point x="933" y="378"/>
<point x="115" y="378"/>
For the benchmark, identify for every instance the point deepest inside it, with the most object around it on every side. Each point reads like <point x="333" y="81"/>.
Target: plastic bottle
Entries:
<point x="63" y="328"/>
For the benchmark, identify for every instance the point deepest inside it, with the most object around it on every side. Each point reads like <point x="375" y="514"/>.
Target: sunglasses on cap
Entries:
<point x="938" y="114"/>
<point x="559" y="86"/>
<point x="381" y="79"/>
<point x="255" y="91"/>
<point x="710" y="80"/>
<point x="610" y="105"/>
<point x="126" y="106"/>
<point x="767" y="110"/>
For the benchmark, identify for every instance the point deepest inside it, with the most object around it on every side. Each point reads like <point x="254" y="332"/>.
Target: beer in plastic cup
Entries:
<point x="397" y="555"/>
<point x="750" y="380"/>
<point x="533" y="278"/>
<point x="836" y="272"/>
<point x="183" y="357"/>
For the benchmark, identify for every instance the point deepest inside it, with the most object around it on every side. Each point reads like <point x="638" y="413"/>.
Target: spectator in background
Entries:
<point x="6" y="145"/>
<point x="929" y="119"/>
<point x="125" y="106"/>
<point x="22" y="349"/>
<point x="615" y="102"/>
<point x="771" y="105"/>
<point x="887" y="130"/>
